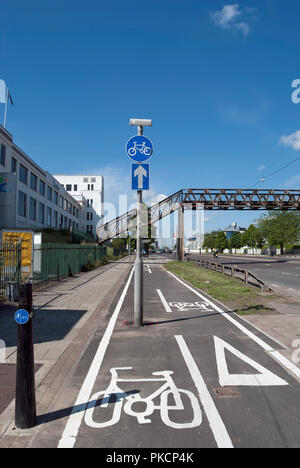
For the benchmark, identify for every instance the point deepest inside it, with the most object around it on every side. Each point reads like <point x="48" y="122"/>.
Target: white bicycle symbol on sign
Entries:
<point x="167" y="390"/>
<point x="142" y="148"/>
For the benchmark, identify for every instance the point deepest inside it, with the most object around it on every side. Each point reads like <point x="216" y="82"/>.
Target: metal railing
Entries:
<point x="10" y="267"/>
<point x="244" y="275"/>
<point x="56" y="261"/>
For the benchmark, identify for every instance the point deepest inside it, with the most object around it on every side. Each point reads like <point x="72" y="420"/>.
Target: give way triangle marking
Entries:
<point x="264" y="378"/>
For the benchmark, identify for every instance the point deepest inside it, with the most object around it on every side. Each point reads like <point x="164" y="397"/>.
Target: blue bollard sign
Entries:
<point x="22" y="316"/>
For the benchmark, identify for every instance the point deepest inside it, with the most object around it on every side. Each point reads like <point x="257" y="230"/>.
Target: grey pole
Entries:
<point x="180" y="238"/>
<point x="138" y="265"/>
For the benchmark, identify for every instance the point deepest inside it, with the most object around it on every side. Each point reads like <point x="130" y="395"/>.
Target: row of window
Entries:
<point x="68" y="187"/>
<point x="40" y="187"/>
<point x="43" y="214"/>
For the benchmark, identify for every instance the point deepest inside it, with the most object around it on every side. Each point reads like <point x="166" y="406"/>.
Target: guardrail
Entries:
<point x="246" y="276"/>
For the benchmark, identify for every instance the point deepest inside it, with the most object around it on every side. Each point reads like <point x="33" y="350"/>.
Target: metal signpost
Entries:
<point x="139" y="148"/>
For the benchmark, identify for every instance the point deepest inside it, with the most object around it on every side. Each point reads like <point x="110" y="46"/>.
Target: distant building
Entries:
<point x="89" y="188"/>
<point x="230" y="230"/>
<point x="30" y="197"/>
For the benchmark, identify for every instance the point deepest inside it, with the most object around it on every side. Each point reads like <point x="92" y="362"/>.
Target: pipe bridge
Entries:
<point x="206" y="199"/>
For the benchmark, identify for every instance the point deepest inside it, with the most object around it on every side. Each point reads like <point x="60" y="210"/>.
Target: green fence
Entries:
<point x="55" y="261"/>
<point x="10" y="266"/>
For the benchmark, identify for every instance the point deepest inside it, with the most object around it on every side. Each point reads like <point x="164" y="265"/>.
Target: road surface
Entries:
<point x="192" y="377"/>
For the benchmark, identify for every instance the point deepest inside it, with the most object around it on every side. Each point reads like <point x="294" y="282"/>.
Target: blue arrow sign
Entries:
<point x="21" y="316"/>
<point x="140" y="176"/>
<point x="139" y="148"/>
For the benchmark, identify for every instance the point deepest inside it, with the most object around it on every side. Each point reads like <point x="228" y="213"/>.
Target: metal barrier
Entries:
<point x="56" y="261"/>
<point x="245" y="275"/>
<point x="10" y="267"/>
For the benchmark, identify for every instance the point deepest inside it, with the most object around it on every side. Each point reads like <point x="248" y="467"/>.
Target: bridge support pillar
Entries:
<point x="180" y="236"/>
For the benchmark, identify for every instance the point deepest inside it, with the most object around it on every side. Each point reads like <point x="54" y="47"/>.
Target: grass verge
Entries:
<point x="244" y="300"/>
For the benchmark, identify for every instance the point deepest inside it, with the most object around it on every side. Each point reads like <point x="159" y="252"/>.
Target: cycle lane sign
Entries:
<point x="139" y="148"/>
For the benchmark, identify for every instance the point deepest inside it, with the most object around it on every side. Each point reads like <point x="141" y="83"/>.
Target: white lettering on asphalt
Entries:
<point x="215" y="421"/>
<point x="70" y="433"/>
<point x="265" y="378"/>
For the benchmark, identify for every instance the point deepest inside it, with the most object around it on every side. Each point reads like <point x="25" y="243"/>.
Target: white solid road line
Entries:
<point x="163" y="300"/>
<point x="277" y="356"/>
<point x="214" y="419"/>
<point x="70" y="433"/>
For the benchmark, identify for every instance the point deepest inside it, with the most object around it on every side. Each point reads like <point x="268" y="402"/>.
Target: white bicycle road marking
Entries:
<point x="265" y="378"/>
<point x="70" y="433"/>
<point x="167" y="389"/>
<point x="189" y="306"/>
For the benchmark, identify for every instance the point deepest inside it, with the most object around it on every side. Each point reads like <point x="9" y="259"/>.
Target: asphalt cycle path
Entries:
<point x="193" y="376"/>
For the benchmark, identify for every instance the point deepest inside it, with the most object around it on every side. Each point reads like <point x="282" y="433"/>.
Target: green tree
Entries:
<point x="221" y="241"/>
<point x="210" y="240"/>
<point x="236" y="241"/>
<point x="119" y="243"/>
<point x="280" y="228"/>
<point x="253" y="237"/>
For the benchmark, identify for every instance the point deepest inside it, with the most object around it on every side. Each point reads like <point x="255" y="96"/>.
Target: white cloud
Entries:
<point x="292" y="140"/>
<point x="261" y="168"/>
<point x="229" y="18"/>
<point x="293" y="182"/>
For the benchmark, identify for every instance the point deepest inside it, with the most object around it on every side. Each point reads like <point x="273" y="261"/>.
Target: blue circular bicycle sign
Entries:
<point x="139" y="148"/>
<point x="22" y="316"/>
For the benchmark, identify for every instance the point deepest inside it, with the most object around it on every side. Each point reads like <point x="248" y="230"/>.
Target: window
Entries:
<point x="85" y="179"/>
<point x="89" y="187"/>
<point x="66" y="222"/>
<point x="70" y="208"/>
<point x="49" y="193"/>
<point x="49" y="214"/>
<point x="93" y="179"/>
<point x="91" y="216"/>
<point x="88" y="216"/>
<point x="55" y="219"/>
<point x="2" y="155"/>
<point x="66" y="205"/>
<point x="41" y="213"/>
<point x="69" y="188"/>
<point x="33" y="181"/>
<point x="13" y="165"/>
<point x="92" y="187"/>
<point x="23" y="174"/>
<point x="75" y="188"/>
<point x="61" y="222"/>
<point x="74" y="210"/>
<point x="61" y="201"/>
<point x="55" y="198"/>
<point x="22" y="204"/>
<point x="42" y="188"/>
<point x="32" y="209"/>
<point x="77" y="213"/>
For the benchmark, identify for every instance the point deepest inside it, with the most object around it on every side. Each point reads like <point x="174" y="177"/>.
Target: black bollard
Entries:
<point x="25" y="410"/>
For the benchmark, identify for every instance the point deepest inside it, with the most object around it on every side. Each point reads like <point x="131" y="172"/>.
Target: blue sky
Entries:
<point x="214" y="76"/>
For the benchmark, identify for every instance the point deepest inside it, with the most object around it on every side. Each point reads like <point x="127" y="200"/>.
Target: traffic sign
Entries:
<point x="139" y="148"/>
<point x="22" y="316"/>
<point x="140" y="176"/>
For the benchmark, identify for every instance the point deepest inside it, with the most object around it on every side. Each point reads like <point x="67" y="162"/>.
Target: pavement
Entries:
<point x="195" y="375"/>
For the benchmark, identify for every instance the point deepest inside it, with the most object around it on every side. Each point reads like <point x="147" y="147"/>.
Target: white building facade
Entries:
<point x="91" y="188"/>
<point x="31" y="198"/>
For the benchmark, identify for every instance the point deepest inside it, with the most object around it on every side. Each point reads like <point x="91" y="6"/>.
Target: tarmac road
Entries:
<point x="278" y="273"/>
<point x="193" y="376"/>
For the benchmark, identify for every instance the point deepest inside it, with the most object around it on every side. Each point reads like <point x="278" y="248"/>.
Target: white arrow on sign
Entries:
<point x="140" y="172"/>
